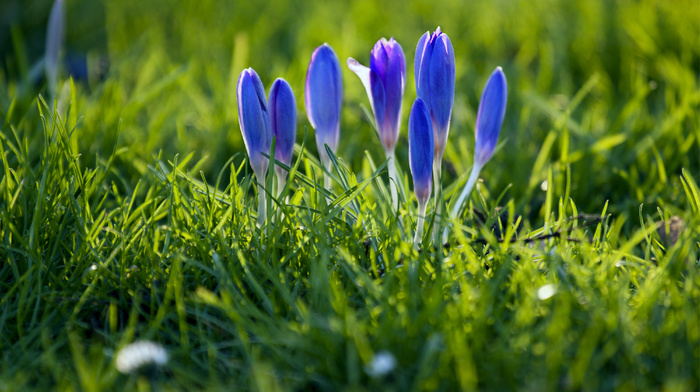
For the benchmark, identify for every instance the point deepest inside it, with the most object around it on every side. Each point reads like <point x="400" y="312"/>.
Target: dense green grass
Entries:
<point x="128" y="210"/>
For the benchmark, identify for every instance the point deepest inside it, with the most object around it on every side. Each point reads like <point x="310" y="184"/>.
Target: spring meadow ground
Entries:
<point x="128" y="207"/>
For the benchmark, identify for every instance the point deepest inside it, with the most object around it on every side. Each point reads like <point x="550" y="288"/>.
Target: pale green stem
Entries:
<point x="281" y="181"/>
<point x="327" y="180"/>
<point x="421" y="221"/>
<point x="393" y="181"/>
<point x="437" y="186"/>
<point x="476" y="169"/>
<point x="473" y="177"/>
<point x="262" y="205"/>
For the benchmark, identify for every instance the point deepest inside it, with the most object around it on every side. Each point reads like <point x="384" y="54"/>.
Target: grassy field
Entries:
<point x="127" y="206"/>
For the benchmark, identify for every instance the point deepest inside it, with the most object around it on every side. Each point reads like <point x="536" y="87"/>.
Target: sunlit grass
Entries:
<point x="128" y="210"/>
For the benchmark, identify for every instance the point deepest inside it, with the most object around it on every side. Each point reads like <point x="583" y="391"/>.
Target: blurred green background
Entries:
<point x="607" y="87"/>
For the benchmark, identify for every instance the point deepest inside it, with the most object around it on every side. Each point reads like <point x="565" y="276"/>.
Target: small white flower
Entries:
<point x="546" y="291"/>
<point x="382" y="364"/>
<point x="140" y="353"/>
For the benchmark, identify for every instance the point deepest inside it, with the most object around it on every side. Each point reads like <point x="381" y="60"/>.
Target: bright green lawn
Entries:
<point x="129" y="211"/>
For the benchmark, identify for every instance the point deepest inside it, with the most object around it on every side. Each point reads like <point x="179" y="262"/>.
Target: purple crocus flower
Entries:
<point x="420" y="156"/>
<point x="384" y="81"/>
<point x="435" y="83"/>
<point x="254" y="121"/>
<point x="492" y="110"/>
<point x="283" y="122"/>
<point x="324" y="95"/>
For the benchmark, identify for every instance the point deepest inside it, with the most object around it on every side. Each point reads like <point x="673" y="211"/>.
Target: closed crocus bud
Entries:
<point x="435" y="83"/>
<point x="420" y="150"/>
<point x="324" y="95"/>
<point x="489" y="119"/>
<point x="384" y="81"/>
<point x="492" y="110"/>
<point x="283" y="121"/>
<point x="254" y="121"/>
<point x="420" y="157"/>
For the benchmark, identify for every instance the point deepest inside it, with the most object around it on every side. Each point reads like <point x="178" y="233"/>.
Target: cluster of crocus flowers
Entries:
<point x="260" y="122"/>
<point x="384" y="81"/>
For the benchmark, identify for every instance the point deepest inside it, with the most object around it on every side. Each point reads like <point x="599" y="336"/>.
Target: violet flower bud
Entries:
<point x="254" y="121"/>
<point x="283" y="122"/>
<point x="324" y="95"/>
<point x="489" y="119"/>
<point x="492" y="110"/>
<point x="435" y="83"/>
<point x="420" y="150"/>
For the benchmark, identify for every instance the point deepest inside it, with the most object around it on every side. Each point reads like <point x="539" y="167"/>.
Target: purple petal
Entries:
<point x="253" y="120"/>
<point x="423" y="44"/>
<point x="420" y="146"/>
<point x="324" y="95"/>
<point x="442" y="88"/>
<point x="378" y="102"/>
<point x="394" y="83"/>
<point x="283" y="120"/>
<point x="379" y="59"/>
<point x="489" y="120"/>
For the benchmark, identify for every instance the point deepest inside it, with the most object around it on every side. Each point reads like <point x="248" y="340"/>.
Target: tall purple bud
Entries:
<point x="324" y="95"/>
<point x="254" y="121"/>
<point x="489" y="120"/>
<point x="420" y="156"/>
<point x="283" y="122"/>
<point x="435" y="83"/>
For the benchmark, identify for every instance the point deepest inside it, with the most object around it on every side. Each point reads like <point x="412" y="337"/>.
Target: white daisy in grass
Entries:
<point x="139" y="354"/>
<point x="381" y="365"/>
<point x="547" y="291"/>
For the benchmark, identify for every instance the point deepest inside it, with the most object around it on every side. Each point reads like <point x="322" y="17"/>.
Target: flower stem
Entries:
<point x="473" y="176"/>
<point x="476" y="169"/>
<point x="421" y="221"/>
<point x="281" y="181"/>
<point x="262" y="205"/>
<point x="437" y="186"/>
<point x="327" y="181"/>
<point x="393" y="182"/>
